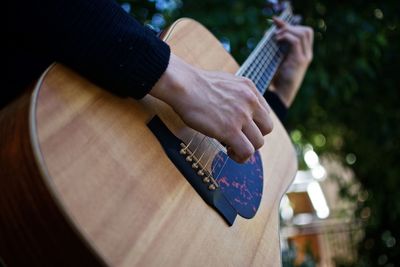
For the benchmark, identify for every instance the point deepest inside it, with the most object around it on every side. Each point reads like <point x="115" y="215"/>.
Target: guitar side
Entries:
<point x="119" y="194"/>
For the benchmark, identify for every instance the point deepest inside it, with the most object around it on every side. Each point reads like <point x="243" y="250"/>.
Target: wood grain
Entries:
<point x="100" y="177"/>
<point x="33" y="230"/>
<point x="124" y="194"/>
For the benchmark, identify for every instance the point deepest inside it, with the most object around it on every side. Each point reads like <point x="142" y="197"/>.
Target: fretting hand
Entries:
<point x="290" y="74"/>
<point x="220" y="105"/>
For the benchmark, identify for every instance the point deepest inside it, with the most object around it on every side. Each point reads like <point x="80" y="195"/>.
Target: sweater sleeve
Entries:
<point x="277" y="105"/>
<point x="98" y="39"/>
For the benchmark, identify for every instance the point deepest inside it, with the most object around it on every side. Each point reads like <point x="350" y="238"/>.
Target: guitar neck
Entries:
<point x="263" y="62"/>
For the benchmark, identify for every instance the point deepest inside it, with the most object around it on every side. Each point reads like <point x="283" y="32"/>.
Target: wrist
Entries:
<point x="173" y="82"/>
<point x="288" y="86"/>
<point x="284" y="94"/>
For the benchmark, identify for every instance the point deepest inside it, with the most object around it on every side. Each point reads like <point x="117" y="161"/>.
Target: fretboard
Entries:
<point x="265" y="59"/>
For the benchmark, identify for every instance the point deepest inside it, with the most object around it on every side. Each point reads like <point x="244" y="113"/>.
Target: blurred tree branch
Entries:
<point x="349" y="98"/>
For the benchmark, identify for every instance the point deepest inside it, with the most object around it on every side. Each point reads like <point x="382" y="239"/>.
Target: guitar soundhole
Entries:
<point x="241" y="184"/>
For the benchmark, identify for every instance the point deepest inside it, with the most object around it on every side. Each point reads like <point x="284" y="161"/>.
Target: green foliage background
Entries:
<point x="348" y="105"/>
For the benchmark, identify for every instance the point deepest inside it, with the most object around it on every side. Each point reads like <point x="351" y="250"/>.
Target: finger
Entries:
<point x="280" y="23"/>
<point x="263" y="121"/>
<point x="300" y="31"/>
<point x="263" y="102"/>
<point x="309" y="33"/>
<point x="293" y="40"/>
<point x="310" y="37"/>
<point x="261" y="111"/>
<point x="239" y="147"/>
<point x="305" y="34"/>
<point x="299" y="38"/>
<point x="260" y="98"/>
<point x="254" y="135"/>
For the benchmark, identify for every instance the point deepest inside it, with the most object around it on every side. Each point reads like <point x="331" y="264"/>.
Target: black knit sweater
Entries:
<point x="96" y="38"/>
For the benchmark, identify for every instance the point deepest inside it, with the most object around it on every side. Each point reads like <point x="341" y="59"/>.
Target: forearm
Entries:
<point x="290" y="75"/>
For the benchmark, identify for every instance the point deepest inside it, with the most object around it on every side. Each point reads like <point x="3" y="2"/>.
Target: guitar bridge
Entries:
<point x="196" y="165"/>
<point x="189" y="165"/>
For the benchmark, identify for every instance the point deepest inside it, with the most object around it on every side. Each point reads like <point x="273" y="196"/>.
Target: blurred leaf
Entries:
<point x="350" y="94"/>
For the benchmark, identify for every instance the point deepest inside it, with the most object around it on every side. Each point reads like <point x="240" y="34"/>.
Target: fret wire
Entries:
<point x="260" y="67"/>
<point x="262" y="80"/>
<point x="248" y="64"/>
<point x="265" y="56"/>
<point x="269" y="73"/>
<point x="270" y="56"/>
<point x="264" y="59"/>
<point x="257" y="62"/>
<point x="263" y="68"/>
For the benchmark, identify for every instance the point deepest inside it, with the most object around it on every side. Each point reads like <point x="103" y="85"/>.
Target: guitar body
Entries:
<point x="85" y="182"/>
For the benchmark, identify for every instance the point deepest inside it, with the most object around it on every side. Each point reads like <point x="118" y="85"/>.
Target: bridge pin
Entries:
<point x="212" y="187"/>
<point x="206" y="179"/>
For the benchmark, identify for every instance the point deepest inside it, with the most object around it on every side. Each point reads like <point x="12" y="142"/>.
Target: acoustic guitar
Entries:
<point x="90" y="179"/>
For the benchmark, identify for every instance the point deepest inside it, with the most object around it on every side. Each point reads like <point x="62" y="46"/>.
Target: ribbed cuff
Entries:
<point x="154" y="60"/>
<point x="276" y="104"/>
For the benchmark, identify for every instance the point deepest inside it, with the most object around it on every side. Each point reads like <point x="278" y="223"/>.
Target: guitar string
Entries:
<point x="270" y="57"/>
<point x="273" y="57"/>
<point x="223" y="166"/>
<point x="191" y="140"/>
<point x="264" y="42"/>
<point x="217" y="147"/>
<point x="267" y="69"/>
<point x="208" y="161"/>
<point x="264" y="59"/>
<point x="195" y="150"/>
<point x="209" y="158"/>
<point x="198" y="145"/>
<point x="199" y="158"/>
<point x="213" y="167"/>
<point x="267" y="54"/>
<point x="248" y="66"/>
